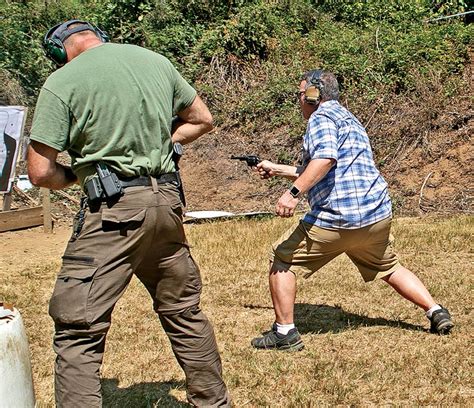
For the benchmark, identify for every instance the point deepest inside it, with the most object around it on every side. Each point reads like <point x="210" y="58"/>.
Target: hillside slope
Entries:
<point x="437" y="156"/>
<point x="431" y="173"/>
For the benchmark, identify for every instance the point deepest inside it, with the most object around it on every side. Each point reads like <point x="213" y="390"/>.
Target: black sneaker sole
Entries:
<point x="292" y="347"/>
<point x="284" y="347"/>
<point x="444" y="328"/>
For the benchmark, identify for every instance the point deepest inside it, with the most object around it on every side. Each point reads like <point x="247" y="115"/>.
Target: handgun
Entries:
<point x="251" y="160"/>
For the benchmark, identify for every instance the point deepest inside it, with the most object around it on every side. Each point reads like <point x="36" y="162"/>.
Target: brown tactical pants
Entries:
<point x="141" y="234"/>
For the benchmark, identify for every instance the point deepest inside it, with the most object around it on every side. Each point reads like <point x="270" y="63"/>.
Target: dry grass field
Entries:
<point x="365" y="346"/>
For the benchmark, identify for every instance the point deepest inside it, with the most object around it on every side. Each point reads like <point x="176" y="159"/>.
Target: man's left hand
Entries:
<point x="286" y="205"/>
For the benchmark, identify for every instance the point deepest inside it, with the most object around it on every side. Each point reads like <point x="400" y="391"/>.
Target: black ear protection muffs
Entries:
<point x="53" y="41"/>
<point x="312" y="93"/>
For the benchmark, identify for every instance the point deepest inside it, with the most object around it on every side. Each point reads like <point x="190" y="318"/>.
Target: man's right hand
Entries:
<point x="266" y="169"/>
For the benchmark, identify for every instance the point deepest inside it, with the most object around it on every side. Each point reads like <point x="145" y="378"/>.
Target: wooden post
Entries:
<point x="47" y="219"/>
<point x="7" y="201"/>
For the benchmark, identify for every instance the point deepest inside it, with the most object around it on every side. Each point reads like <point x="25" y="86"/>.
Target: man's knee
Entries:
<point x="278" y="266"/>
<point x="71" y="330"/>
<point x="78" y="344"/>
<point x="189" y="329"/>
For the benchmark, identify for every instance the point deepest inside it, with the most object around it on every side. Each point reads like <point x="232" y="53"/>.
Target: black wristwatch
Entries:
<point x="295" y="191"/>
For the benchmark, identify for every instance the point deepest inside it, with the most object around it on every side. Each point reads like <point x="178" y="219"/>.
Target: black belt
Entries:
<point x="172" y="178"/>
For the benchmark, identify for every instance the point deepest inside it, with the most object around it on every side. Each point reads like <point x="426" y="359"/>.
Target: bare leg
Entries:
<point x="407" y="284"/>
<point x="283" y="292"/>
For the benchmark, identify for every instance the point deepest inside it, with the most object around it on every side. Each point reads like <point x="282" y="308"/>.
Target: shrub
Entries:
<point x="246" y="56"/>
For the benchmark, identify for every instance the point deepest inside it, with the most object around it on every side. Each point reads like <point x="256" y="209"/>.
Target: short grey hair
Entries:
<point x="329" y="89"/>
<point x="86" y="33"/>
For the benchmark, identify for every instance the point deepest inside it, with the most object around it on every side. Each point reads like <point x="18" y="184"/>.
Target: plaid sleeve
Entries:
<point x="320" y="140"/>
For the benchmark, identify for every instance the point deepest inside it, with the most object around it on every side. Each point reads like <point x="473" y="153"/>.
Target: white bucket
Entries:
<point x="16" y="382"/>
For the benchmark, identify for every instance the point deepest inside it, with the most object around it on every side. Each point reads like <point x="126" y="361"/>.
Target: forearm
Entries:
<point x="284" y="170"/>
<point x="311" y="174"/>
<point x="56" y="178"/>
<point x="193" y="122"/>
<point x="44" y="171"/>
<point x="185" y="133"/>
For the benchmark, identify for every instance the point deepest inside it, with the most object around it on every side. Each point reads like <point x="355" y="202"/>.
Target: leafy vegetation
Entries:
<point x="246" y="56"/>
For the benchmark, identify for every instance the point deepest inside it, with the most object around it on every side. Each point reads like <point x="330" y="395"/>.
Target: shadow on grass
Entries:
<point x="142" y="395"/>
<point x="333" y="319"/>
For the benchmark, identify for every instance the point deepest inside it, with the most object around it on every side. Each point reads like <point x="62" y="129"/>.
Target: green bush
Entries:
<point x="246" y="56"/>
<point x="246" y="35"/>
<point x="21" y="32"/>
<point x="400" y="13"/>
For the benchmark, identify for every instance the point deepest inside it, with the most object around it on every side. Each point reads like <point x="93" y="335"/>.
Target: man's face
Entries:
<point x="306" y="108"/>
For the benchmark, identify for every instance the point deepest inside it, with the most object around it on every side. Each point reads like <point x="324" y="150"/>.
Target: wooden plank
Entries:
<point x="23" y="218"/>
<point x="23" y="140"/>
<point x="47" y="219"/>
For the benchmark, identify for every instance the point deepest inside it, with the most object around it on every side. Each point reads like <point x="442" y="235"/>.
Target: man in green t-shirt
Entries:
<point x="110" y="106"/>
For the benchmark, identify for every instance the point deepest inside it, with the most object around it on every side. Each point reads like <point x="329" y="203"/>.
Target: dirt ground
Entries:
<point x="23" y="248"/>
<point x="442" y="184"/>
<point x="347" y="325"/>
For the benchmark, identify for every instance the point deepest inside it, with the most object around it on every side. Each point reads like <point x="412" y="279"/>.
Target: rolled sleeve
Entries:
<point x="184" y="94"/>
<point x="320" y="140"/>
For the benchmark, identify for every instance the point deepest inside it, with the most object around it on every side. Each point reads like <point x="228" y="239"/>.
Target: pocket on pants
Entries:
<point x="120" y="215"/>
<point x="70" y="300"/>
<point x="122" y="219"/>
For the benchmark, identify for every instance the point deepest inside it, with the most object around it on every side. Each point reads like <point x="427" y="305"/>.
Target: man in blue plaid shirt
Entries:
<point x="350" y="213"/>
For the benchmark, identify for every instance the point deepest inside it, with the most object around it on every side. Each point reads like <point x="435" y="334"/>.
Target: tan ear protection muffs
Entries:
<point x="312" y="93"/>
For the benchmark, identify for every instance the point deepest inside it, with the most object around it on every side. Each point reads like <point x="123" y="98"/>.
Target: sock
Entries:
<point x="429" y="313"/>
<point x="284" y="328"/>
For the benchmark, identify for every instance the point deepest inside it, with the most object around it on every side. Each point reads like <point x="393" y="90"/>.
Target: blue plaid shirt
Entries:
<point x="353" y="194"/>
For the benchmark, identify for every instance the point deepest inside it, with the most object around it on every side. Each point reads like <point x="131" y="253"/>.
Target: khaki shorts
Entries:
<point x="308" y="248"/>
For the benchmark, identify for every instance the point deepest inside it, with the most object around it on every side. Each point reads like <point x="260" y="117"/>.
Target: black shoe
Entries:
<point x="441" y="322"/>
<point x="274" y="340"/>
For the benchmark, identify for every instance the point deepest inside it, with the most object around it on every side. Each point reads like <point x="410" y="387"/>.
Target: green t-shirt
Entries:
<point x="113" y="103"/>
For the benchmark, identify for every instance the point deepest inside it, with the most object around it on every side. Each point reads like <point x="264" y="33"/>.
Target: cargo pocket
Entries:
<point x="70" y="300"/>
<point x="122" y="219"/>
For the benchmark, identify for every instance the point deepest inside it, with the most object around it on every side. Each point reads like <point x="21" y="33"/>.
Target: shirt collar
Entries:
<point x="328" y="104"/>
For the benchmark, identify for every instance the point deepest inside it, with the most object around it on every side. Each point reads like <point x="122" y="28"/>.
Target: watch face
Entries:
<point x="178" y="148"/>
<point x="294" y="191"/>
